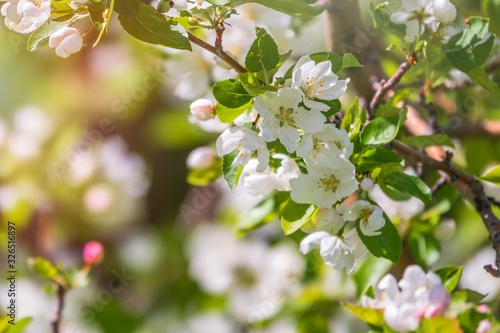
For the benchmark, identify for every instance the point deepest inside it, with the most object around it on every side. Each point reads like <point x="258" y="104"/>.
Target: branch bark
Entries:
<point x="470" y="187"/>
<point x="218" y="52"/>
<point x="61" y="293"/>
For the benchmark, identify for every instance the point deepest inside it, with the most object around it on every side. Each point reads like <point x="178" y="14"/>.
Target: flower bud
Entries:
<point x="92" y="253"/>
<point x="203" y="109"/>
<point x="483" y="308"/>
<point x="366" y="184"/>
<point x="66" y="41"/>
<point x="445" y="229"/>
<point x="484" y="326"/>
<point x="201" y="158"/>
<point x="444" y="11"/>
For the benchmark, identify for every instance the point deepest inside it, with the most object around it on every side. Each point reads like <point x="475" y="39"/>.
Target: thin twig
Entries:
<point x="61" y="292"/>
<point x="385" y="86"/>
<point x="470" y="188"/>
<point x="220" y="53"/>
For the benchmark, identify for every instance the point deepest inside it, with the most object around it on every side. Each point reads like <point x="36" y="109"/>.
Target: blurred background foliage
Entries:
<point x="93" y="148"/>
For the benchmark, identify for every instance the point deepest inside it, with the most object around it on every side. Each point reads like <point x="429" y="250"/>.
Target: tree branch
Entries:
<point x="468" y="186"/>
<point x="385" y="86"/>
<point x="218" y="52"/>
<point x="61" y="292"/>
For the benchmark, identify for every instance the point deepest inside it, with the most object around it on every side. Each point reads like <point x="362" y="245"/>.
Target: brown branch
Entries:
<point x="218" y="52"/>
<point x="385" y="86"/>
<point x="468" y="186"/>
<point x="61" y="292"/>
<point x="487" y="129"/>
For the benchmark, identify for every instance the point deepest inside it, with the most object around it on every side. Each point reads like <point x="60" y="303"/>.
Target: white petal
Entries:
<point x="400" y="17"/>
<point x="288" y="136"/>
<point x="312" y="241"/>
<point x="302" y="188"/>
<point x="310" y="121"/>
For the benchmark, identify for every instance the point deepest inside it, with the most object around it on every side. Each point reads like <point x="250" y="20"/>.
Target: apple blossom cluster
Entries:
<point x="417" y="14"/>
<point x="26" y="16"/>
<point x="405" y="302"/>
<point x="286" y="130"/>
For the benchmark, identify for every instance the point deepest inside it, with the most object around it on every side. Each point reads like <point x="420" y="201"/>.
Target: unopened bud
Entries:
<point x="484" y="326"/>
<point x="203" y="109"/>
<point x="444" y="11"/>
<point x="367" y="184"/>
<point x="445" y="229"/>
<point x="483" y="308"/>
<point x="92" y="253"/>
<point x="201" y="158"/>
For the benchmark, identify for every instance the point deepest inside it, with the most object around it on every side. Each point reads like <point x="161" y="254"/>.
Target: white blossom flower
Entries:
<point x="371" y="217"/>
<point x="261" y="184"/>
<point x="201" y="158"/>
<point x="203" y="109"/>
<point x="333" y="250"/>
<point x="180" y="4"/>
<point x="324" y="219"/>
<point x="444" y="11"/>
<point x="256" y="277"/>
<point x="417" y="294"/>
<point x="212" y="125"/>
<point x="246" y="142"/>
<point x="317" y="81"/>
<point x="245" y="117"/>
<point x="25" y="16"/>
<point x="415" y="14"/>
<point x="324" y="186"/>
<point x="282" y="115"/>
<point x="66" y="41"/>
<point x="325" y="148"/>
<point x="356" y="244"/>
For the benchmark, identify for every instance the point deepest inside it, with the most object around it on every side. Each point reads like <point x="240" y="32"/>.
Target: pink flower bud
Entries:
<point x="484" y="326"/>
<point x="366" y="184"/>
<point x="92" y="253"/>
<point x="201" y="158"/>
<point x="203" y="109"/>
<point x="483" y="308"/>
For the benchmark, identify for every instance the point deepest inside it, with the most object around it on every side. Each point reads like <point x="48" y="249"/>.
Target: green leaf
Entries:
<point x="387" y="245"/>
<point x="352" y="120"/>
<point x="43" y="268"/>
<point x="227" y="115"/>
<point x="381" y="158"/>
<point x="493" y="176"/>
<point x="40" y="37"/>
<point x="151" y="26"/>
<point x="203" y="177"/>
<point x="19" y="326"/>
<point x="424" y="248"/>
<point x="462" y="51"/>
<point x="231" y="93"/>
<point x="380" y="131"/>
<point x="383" y="20"/>
<point x="480" y="77"/>
<point x="231" y="174"/>
<point x="264" y="212"/>
<point x="294" y="215"/>
<point x="439" y="325"/>
<point x="424" y="141"/>
<point x="128" y="8"/>
<point x="336" y="60"/>
<point x="371" y="316"/>
<point x="466" y="296"/>
<point x="263" y="54"/>
<point x="96" y="11"/>
<point x="313" y="323"/>
<point x="349" y="60"/>
<point x="289" y="7"/>
<point x="334" y="104"/>
<point x="450" y="275"/>
<point x="407" y="184"/>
